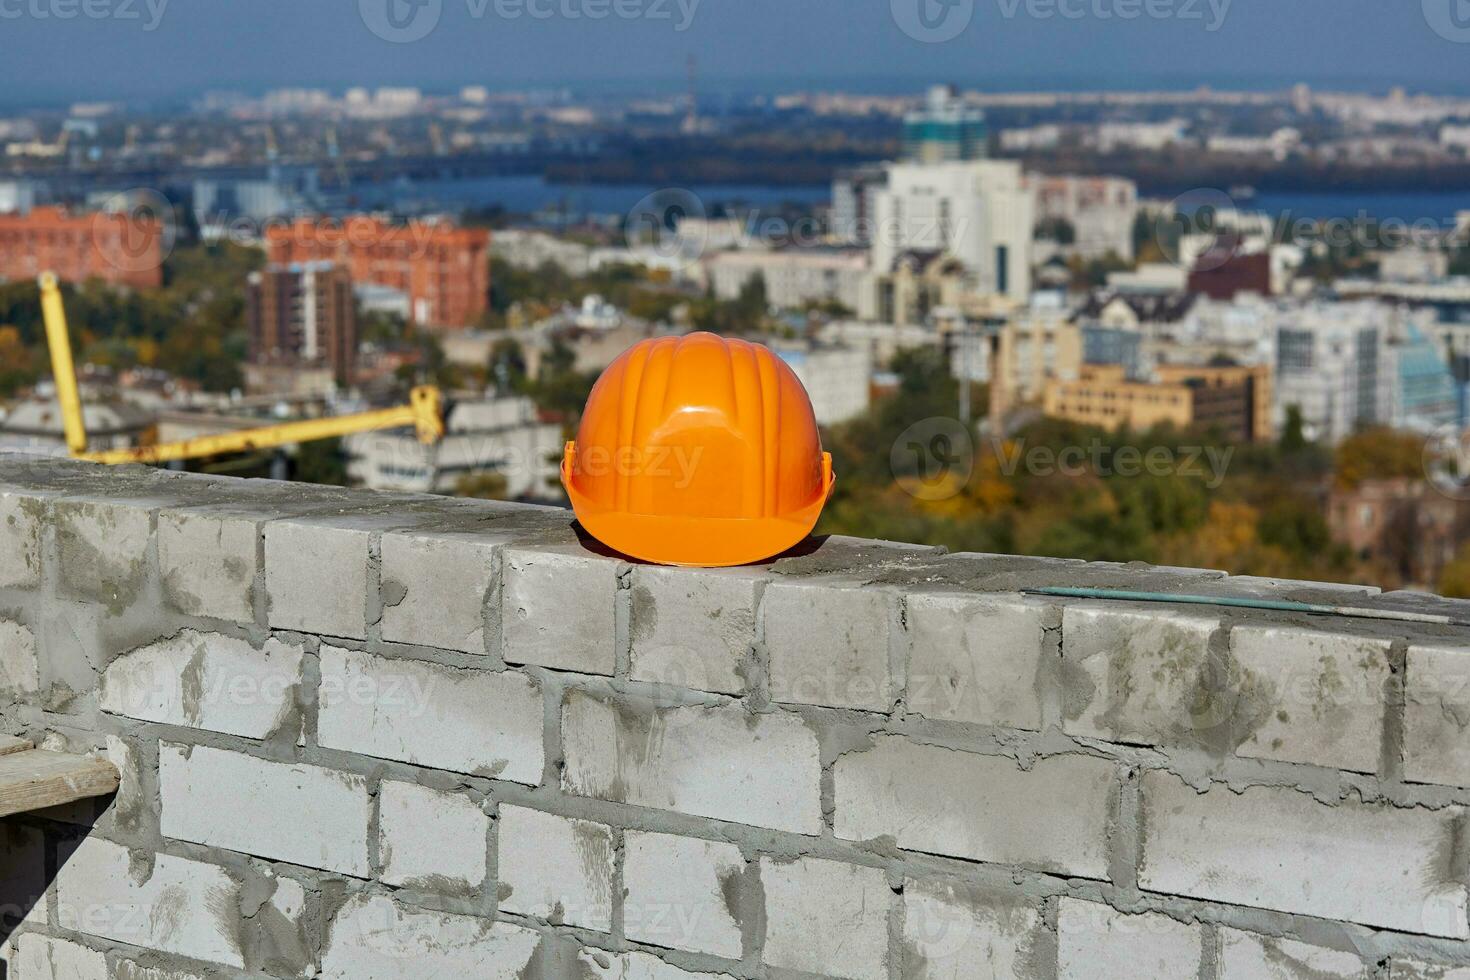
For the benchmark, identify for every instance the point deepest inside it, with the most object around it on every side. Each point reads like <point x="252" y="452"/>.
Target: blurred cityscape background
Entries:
<point x="1218" y="320"/>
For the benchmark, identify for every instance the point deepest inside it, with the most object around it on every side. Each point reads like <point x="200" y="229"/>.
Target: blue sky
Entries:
<point x="65" y="49"/>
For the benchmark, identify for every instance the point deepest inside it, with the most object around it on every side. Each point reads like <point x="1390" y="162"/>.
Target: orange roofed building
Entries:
<point x="121" y="249"/>
<point x="443" y="269"/>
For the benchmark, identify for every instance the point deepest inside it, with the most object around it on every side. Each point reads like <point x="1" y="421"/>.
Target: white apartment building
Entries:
<point x="838" y="379"/>
<point x="1101" y="210"/>
<point x="793" y="277"/>
<point x="978" y="211"/>
<point x="1333" y="363"/>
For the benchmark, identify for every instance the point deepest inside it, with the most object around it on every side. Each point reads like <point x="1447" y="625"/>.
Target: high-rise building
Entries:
<point x="120" y="249"/>
<point x="854" y="193"/>
<point x="979" y="212"/>
<point x="302" y="315"/>
<point x="443" y="269"/>
<point x="945" y="130"/>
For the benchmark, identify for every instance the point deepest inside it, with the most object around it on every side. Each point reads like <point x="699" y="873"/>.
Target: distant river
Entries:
<point x="1438" y="206"/>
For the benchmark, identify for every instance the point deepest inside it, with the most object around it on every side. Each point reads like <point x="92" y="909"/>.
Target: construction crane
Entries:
<point x="424" y="411"/>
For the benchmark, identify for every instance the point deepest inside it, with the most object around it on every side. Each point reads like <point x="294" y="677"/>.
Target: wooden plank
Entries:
<point x="9" y="744"/>
<point x="37" y="779"/>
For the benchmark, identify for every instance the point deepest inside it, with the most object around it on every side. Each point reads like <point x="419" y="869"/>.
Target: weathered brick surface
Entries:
<point x="1315" y="697"/>
<point x="538" y="761"/>
<point x="1096" y="942"/>
<point x="986" y="808"/>
<point x="1412" y="882"/>
<point x="1437" y="715"/>
<point x="826" y="917"/>
<point x="206" y="680"/>
<point x="431" y="839"/>
<point x="557" y="610"/>
<point x="953" y="931"/>
<point x="693" y="627"/>
<point x="719" y="762"/>
<point x="683" y="893"/>
<point x="556" y="868"/>
<point x="207" y="563"/>
<point x="977" y="659"/>
<point x="829" y="644"/>
<point x="1139" y="676"/>
<point x="98" y="892"/>
<point x="1247" y="956"/>
<point x="298" y="813"/>
<point x="436" y="587"/>
<point x="474" y="721"/>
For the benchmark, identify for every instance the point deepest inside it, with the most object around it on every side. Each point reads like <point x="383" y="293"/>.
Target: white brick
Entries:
<point x="303" y="814"/>
<point x="1246" y="956"/>
<point x="1437" y="715"/>
<point x="693" y="627"/>
<point x="1319" y="697"/>
<point x="42" y="958"/>
<point x="20" y="671"/>
<point x="956" y="932"/>
<point x="208" y="681"/>
<point x="1095" y="942"/>
<point x="20" y="541"/>
<point x="103" y="549"/>
<point x="556" y="868"/>
<point x="599" y="965"/>
<point x="435" y="587"/>
<point x="826" y="917"/>
<point x="207" y="563"/>
<point x="374" y="938"/>
<point x="1135" y="676"/>
<point x="828" y="644"/>
<point x="316" y="577"/>
<point x="130" y="806"/>
<point x="182" y="906"/>
<point x="1376" y="865"/>
<point x="1406" y="969"/>
<point x="976" y="658"/>
<point x="719" y="762"/>
<point x="130" y="970"/>
<point x="480" y="722"/>
<point x="1053" y="816"/>
<point x="682" y="893"/>
<point x="431" y="839"/>
<point x="557" y="610"/>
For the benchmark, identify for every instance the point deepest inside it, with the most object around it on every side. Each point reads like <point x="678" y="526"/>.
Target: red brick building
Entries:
<point x="303" y="315"/>
<point x="1223" y="271"/>
<point x="443" y="269"/>
<point x="121" y="249"/>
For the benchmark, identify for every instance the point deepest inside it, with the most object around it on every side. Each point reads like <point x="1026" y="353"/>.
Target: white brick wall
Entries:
<point x="43" y="958"/>
<point x="1324" y="695"/>
<point x="206" y="680"/>
<point x="1437" y="715"/>
<point x="557" y="610"/>
<point x="103" y="549"/>
<point x="435" y="587"/>
<point x="473" y="721"/>
<point x="693" y="627"/>
<point x="976" y="659"/>
<point x="719" y="762"/>
<point x="1246" y="956"/>
<point x="427" y="838"/>
<point x="985" y="808"/>
<point x="316" y="577"/>
<point x="303" y="814"/>
<point x="1095" y="942"/>
<point x="20" y="542"/>
<point x="826" y="917"/>
<point x="829" y="644"/>
<point x="953" y="931"/>
<point x="1377" y="865"/>
<point x="20" y="670"/>
<point x="374" y="938"/>
<point x="555" y="868"/>
<point x="208" y="563"/>
<point x="683" y="893"/>
<point x="100" y="892"/>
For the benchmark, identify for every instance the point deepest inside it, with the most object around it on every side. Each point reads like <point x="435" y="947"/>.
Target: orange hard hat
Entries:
<point x="698" y="450"/>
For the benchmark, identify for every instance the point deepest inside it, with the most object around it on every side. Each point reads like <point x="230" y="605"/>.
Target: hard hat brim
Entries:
<point x="697" y="542"/>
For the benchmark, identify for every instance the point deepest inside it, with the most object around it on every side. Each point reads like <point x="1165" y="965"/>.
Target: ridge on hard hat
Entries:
<point x="698" y="450"/>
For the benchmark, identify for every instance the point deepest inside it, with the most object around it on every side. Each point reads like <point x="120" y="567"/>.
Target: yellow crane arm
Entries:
<point x="425" y="411"/>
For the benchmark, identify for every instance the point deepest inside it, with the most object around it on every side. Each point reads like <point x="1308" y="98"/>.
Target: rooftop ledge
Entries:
<point x="467" y="705"/>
